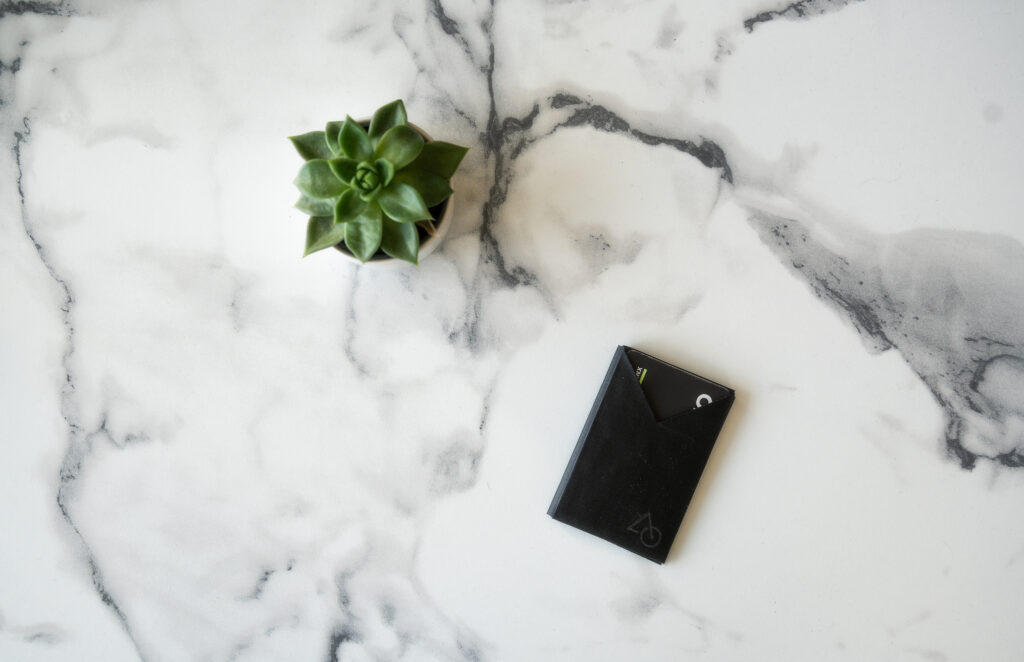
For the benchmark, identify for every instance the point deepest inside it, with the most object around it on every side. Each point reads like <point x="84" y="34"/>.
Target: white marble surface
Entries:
<point x="211" y="449"/>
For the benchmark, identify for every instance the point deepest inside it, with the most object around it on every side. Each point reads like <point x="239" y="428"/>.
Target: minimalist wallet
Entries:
<point x="641" y="453"/>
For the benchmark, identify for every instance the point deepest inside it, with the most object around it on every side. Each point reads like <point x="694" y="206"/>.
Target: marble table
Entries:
<point x="213" y="449"/>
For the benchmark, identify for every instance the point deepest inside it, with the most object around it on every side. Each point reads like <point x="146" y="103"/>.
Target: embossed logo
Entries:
<point x="650" y="535"/>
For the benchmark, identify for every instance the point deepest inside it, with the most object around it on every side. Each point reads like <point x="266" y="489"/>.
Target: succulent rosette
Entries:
<point x="372" y="189"/>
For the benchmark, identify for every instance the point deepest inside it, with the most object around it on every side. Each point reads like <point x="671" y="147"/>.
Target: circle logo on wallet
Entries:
<point x="650" y="535"/>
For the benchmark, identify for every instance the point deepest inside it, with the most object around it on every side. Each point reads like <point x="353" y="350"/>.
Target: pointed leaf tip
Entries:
<point x="387" y="116"/>
<point x="400" y="240"/>
<point x="400" y="145"/>
<point x="363" y="233"/>
<point x="440" y="158"/>
<point x="321" y="233"/>
<point x="332" y="134"/>
<point x="403" y="203"/>
<point x="316" y="180"/>
<point x="354" y="142"/>
<point x="312" y="145"/>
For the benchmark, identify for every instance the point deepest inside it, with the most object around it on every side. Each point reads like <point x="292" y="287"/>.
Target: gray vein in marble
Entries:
<point x="456" y="467"/>
<point x="797" y="10"/>
<point x="344" y="629"/>
<point x="48" y="634"/>
<point x="261" y="584"/>
<point x="921" y="617"/>
<point x="12" y="69"/>
<point x="339" y="635"/>
<point x="927" y="654"/>
<point x="601" y="118"/>
<point x="972" y="384"/>
<point x="104" y="432"/>
<point x="20" y="7"/>
<point x="949" y="302"/>
<point x="356" y="609"/>
<point x="505" y="138"/>
<point x="452" y="29"/>
<point x="350" y="325"/>
<point x="78" y="443"/>
<point x="498" y="133"/>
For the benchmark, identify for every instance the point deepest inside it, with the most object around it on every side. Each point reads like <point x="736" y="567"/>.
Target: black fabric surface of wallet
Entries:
<point x="631" y="476"/>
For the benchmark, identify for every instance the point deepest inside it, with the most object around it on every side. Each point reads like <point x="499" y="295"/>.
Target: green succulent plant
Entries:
<point x="373" y="188"/>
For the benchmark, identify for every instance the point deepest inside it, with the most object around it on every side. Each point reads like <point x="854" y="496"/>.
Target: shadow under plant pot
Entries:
<point x="432" y="233"/>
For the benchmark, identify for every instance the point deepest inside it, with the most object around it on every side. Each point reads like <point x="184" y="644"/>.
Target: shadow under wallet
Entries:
<point x="641" y="453"/>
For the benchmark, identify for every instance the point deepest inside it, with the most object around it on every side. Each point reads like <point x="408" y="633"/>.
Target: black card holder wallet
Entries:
<point x="641" y="453"/>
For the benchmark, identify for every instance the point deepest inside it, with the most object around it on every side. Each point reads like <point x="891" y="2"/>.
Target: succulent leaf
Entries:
<point x="387" y="116"/>
<point x="363" y="233"/>
<point x="434" y="189"/>
<point x="386" y="171"/>
<point x="403" y="203"/>
<point x="316" y="180"/>
<point x="400" y="240"/>
<point x="371" y="185"/>
<point x="355" y="144"/>
<point x="332" y="134"/>
<point x="321" y="233"/>
<point x="440" y="158"/>
<point x="344" y="169"/>
<point x="315" y="207"/>
<point x="400" y="145"/>
<point x="311" y="145"/>
<point x="348" y="207"/>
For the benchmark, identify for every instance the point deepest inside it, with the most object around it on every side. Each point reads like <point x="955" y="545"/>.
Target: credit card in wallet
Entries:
<point x="671" y="390"/>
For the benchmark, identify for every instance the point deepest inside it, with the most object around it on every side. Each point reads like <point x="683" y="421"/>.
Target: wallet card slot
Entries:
<point x="670" y="390"/>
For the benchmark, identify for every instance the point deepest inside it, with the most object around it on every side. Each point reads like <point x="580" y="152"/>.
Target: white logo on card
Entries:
<point x="703" y="399"/>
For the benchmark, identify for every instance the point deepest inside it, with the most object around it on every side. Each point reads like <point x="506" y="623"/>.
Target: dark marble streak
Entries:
<point x="78" y="442"/>
<point x="451" y="28"/>
<point x="958" y="384"/>
<point x="351" y="325"/>
<point x="256" y="593"/>
<point x="345" y="629"/>
<point x="46" y="634"/>
<point x="498" y="135"/>
<point x="20" y="7"/>
<point x="603" y="119"/>
<point x="13" y="68"/>
<point x="339" y="635"/>
<point x="797" y="10"/>
<point x="952" y="304"/>
<point x="505" y="138"/>
<point x="348" y="628"/>
<point x="261" y="584"/>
